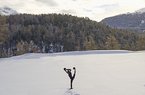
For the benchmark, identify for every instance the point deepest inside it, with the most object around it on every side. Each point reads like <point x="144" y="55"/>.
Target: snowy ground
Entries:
<point x="98" y="73"/>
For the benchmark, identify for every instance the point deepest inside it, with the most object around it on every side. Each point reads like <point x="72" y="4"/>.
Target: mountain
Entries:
<point x="134" y="21"/>
<point x="7" y="11"/>
<point x="141" y="10"/>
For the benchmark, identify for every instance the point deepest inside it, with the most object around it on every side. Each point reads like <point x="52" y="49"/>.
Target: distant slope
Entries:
<point x="134" y="21"/>
<point x="141" y="10"/>
<point x="7" y="11"/>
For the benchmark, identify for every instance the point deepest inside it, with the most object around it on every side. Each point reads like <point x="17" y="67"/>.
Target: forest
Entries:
<point x="49" y="33"/>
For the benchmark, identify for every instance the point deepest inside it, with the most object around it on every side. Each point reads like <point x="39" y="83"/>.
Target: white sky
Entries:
<point x="94" y="9"/>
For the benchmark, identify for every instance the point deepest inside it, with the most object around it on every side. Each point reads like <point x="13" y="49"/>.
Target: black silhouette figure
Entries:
<point x="68" y="71"/>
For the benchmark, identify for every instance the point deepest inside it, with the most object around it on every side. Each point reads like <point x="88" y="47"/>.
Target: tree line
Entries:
<point x="24" y="33"/>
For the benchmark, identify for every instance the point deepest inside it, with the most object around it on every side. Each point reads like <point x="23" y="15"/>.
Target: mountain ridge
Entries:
<point x="7" y="11"/>
<point x="140" y="10"/>
<point x="132" y="21"/>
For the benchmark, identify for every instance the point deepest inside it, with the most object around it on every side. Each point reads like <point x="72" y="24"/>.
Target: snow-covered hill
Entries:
<point x="98" y="73"/>
<point x="7" y="11"/>
<point x="140" y="10"/>
<point x="133" y="21"/>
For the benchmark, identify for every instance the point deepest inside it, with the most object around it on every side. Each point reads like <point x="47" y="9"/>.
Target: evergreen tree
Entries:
<point x="112" y="43"/>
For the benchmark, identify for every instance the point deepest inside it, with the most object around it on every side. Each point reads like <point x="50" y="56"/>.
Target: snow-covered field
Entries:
<point x="98" y="73"/>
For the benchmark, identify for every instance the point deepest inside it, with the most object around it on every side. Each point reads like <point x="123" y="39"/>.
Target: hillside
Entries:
<point x="132" y="21"/>
<point x="141" y="10"/>
<point x="98" y="73"/>
<point x="7" y="11"/>
<point x="47" y="33"/>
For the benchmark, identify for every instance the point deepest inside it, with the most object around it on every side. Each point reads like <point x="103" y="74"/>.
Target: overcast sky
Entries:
<point x="94" y="9"/>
